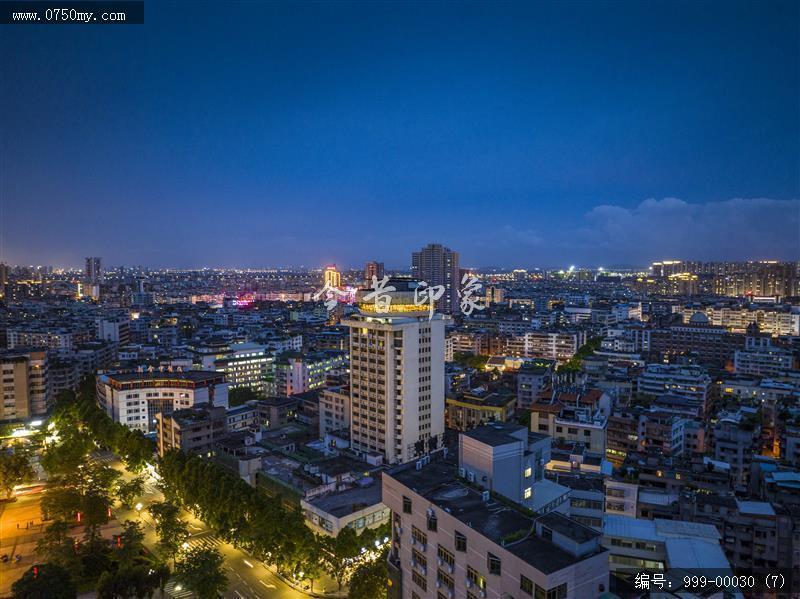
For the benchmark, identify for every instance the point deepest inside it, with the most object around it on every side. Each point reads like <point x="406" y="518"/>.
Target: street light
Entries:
<point x="185" y="546"/>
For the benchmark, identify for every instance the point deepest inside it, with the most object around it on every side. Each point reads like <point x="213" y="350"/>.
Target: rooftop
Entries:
<point x="437" y="482"/>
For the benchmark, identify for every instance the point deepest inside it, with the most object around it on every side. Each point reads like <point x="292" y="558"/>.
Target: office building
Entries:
<point x="134" y="398"/>
<point x="246" y="365"/>
<point x="334" y="410"/>
<point x="439" y="265"/>
<point x="24" y="384"/>
<point x="396" y="376"/>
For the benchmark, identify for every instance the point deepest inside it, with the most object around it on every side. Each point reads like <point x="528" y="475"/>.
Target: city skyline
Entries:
<point x="297" y="146"/>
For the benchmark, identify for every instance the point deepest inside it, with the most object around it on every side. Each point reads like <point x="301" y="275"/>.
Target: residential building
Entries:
<point x="532" y="377"/>
<point x="24" y="383"/>
<point x="690" y="382"/>
<point x="437" y="265"/>
<point x="449" y="539"/>
<point x="334" y="409"/>
<point x="192" y="430"/>
<point x="469" y="409"/>
<point x="297" y="372"/>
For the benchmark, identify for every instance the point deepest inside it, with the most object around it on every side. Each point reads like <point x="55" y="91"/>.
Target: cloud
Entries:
<point x="736" y="229"/>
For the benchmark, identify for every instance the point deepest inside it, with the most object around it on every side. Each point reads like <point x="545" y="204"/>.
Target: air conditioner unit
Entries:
<point x="430" y="512"/>
<point x="438" y="585"/>
<point x="482" y="594"/>
<point x="462" y="473"/>
<point x="471" y="477"/>
<point x="450" y="593"/>
<point x="485" y="496"/>
<point x="469" y="583"/>
<point x="419" y="464"/>
<point x="439" y="561"/>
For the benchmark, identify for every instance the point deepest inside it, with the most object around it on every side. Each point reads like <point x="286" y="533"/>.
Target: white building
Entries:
<point x="396" y="376"/>
<point x="246" y="365"/>
<point x="691" y="382"/>
<point x="134" y="398"/>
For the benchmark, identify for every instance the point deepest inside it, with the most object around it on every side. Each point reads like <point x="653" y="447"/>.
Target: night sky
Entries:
<point x="528" y="134"/>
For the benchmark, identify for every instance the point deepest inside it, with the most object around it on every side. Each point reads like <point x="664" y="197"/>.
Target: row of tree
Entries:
<point x="238" y="512"/>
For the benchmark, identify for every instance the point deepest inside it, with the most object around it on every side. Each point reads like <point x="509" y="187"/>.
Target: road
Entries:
<point x="247" y="577"/>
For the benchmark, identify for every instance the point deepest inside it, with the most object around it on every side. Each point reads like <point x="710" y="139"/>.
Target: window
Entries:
<point x="493" y="563"/>
<point x="528" y="472"/>
<point x="432" y="522"/>
<point x="526" y="494"/>
<point x="445" y="579"/>
<point x="526" y="585"/>
<point x="419" y="559"/>
<point x="461" y="542"/>
<point x="417" y="536"/>
<point x="559" y="592"/>
<point x="419" y="580"/>
<point x="446" y="557"/>
<point x="547" y="533"/>
<point x="406" y="505"/>
<point x="475" y="578"/>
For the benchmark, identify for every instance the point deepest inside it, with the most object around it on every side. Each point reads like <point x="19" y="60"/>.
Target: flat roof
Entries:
<point x="437" y="482"/>
<point x="495" y="433"/>
<point x="194" y="376"/>
<point x="347" y="502"/>
<point x="757" y="508"/>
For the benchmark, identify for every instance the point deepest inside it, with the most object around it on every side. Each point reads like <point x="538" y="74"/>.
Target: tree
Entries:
<point x="44" y="581"/>
<point x="130" y="543"/>
<point x="241" y="395"/>
<point x="127" y="581"/>
<point x="337" y="553"/>
<point x="201" y="572"/>
<point x="57" y="547"/>
<point x="128" y="492"/>
<point x="171" y="530"/>
<point x="369" y="580"/>
<point x="14" y="470"/>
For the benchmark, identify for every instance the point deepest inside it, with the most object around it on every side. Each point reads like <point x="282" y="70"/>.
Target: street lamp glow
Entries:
<point x="185" y="546"/>
<point x="138" y="507"/>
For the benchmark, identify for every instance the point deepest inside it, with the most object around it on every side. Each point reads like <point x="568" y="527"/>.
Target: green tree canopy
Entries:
<point x="44" y="581"/>
<point x="14" y="470"/>
<point x="201" y="571"/>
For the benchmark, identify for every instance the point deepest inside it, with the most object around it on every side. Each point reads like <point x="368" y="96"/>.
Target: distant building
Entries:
<point x="373" y="269"/>
<point x="332" y="277"/>
<point x="134" y="398"/>
<point x="115" y="330"/>
<point x="690" y="382"/>
<point x="439" y="265"/>
<point x="532" y="377"/>
<point x="25" y="386"/>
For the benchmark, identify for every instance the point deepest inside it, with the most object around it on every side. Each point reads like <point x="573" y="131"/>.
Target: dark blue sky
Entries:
<point x="250" y="134"/>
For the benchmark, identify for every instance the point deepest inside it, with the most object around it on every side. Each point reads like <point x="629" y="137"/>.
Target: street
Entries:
<point x="247" y="577"/>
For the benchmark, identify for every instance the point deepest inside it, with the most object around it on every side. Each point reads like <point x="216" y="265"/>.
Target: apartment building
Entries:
<point x="450" y="539"/>
<point x="25" y="384"/>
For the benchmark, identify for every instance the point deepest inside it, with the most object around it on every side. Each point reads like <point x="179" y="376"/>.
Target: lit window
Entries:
<point x="527" y="493"/>
<point x="528" y="472"/>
